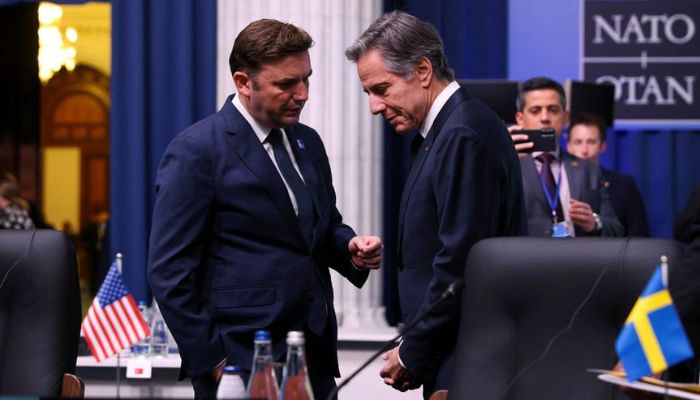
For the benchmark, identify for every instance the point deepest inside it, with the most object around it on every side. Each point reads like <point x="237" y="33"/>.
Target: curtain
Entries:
<point x="163" y="74"/>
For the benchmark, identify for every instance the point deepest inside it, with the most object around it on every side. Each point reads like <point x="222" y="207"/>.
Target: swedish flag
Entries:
<point x="652" y="338"/>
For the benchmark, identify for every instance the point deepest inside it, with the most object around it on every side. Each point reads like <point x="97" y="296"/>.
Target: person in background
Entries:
<point x="578" y="204"/>
<point x="245" y="226"/>
<point x="464" y="185"/>
<point x="586" y="140"/>
<point x="13" y="209"/>
<point x="682" y="226"/>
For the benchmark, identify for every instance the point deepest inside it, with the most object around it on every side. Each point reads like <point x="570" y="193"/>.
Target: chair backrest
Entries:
<point x="521" y="292"/>
<point x="39" y="312"/>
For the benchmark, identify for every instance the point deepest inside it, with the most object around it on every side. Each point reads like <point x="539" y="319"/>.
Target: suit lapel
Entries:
<point x="456" y="99"/>
<point x="573" y="174"/>
<point x="245" y="143"/>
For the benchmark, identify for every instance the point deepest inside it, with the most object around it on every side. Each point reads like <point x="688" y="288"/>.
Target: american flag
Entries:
<point x="113" y="321"/>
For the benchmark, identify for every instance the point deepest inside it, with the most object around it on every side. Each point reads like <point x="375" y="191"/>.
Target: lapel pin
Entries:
<point x="574" y="164"/>
<point x="300" y="143"/>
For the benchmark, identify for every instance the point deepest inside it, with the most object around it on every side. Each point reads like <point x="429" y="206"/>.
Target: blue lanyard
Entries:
<point x="552" y="202"/>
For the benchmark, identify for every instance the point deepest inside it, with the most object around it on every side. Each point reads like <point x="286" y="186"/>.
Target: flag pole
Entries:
<point x="119" y="268"/>
<point x="664" y="270"/>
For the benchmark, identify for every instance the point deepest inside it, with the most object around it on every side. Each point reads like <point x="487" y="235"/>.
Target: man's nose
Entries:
<point x="301" y="92"/>
<point x="376" y="106"/>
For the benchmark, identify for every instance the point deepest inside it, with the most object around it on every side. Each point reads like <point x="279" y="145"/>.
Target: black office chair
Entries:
<point x="40" y="314"/>
<point x="521" y="293"/>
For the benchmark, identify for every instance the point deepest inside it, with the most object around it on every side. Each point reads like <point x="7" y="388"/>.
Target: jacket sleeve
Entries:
<point x="178" y="242"/>
<point x="611" y="224"/>
<point x="339" y="234"/>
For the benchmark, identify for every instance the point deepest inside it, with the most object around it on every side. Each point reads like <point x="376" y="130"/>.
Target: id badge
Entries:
<point x="560" y="229"/>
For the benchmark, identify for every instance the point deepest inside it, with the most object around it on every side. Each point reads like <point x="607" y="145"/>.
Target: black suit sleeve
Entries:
<point x="684" y="284"/>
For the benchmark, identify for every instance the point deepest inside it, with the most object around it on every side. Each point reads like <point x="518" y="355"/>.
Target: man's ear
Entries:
<point x="519" y="118"/>
<point x="243" y="83"/>
<point x="424" y="72"/>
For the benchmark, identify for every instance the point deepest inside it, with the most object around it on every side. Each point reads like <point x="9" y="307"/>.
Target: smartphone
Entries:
<point x="543" y="139"/>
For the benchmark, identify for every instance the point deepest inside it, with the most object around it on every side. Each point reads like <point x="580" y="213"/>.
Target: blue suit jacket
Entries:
<point x="464" y="186"/>
<point x="585" y="184"/>
<point x="227" y="256"/>
<point x="627" y="202"/>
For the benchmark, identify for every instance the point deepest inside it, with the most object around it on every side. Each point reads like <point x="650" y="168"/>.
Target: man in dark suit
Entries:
<point x="586" y="140"/>
<point x="464" y="185"/>
<point x="564" y="195"/>
<point x="245" y="226"/>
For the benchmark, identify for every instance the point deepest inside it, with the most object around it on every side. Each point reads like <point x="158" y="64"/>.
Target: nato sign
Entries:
<point x="650" y="52"/>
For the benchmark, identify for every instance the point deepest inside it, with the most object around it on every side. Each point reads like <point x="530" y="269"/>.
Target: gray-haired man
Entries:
<point x="464" y="185"/>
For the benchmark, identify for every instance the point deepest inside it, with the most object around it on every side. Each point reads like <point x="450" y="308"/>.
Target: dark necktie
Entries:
<point x="318" y="306"/>
<point x="548" y="179"/>
<point x="305" y="208"/>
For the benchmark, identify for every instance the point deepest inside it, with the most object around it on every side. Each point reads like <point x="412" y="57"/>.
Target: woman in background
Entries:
<point x="13" y="210"/>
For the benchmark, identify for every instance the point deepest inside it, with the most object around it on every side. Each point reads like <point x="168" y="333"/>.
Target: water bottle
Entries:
<point x="231" y="384"/>
<point x="159" y="334"/>
<point x="295" y="381"/>
<point x="263" y="384"/>
<point x="143" y="346"/>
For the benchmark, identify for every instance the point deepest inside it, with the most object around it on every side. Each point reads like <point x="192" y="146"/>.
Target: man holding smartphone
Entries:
<point x="563" y="194"/>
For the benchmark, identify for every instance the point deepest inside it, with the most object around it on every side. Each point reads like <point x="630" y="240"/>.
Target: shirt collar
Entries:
<point x="439" y="102"/>
<point x="260" y="131"/>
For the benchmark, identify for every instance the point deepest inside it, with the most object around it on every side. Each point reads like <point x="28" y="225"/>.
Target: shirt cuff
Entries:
<point x="398" y="356"/>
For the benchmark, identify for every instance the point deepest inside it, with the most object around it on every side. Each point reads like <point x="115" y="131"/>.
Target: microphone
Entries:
<point x="451" y="290"/>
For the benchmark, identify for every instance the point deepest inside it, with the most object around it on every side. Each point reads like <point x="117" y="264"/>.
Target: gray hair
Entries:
<point x="403" y="40"/>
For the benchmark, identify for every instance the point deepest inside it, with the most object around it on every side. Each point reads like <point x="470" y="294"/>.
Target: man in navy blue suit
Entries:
<point x="464" y="185"/>
<point x="245" y="226"/>
<point x="586" y="140"/>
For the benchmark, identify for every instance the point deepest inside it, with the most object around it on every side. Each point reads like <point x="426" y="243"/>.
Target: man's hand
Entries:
<point x="636" y="394"/>
<point x="218" y="370"/>
<point x="366" y="251"/>
<point x="522" y="146"/>
<point x="582" y="215"/>
<point x="396" y="375"/>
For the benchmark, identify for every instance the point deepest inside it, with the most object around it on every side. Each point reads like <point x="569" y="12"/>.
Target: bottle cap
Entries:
<point x="262" y="335"/>
<point x="295" y="337"/>
<point x="232" y="369"/>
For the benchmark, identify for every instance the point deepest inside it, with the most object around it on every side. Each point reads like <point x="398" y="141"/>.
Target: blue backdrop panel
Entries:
<point x="163" y="79"/>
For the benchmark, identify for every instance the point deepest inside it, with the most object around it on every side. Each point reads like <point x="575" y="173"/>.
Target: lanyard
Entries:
<point x="552" y="202"/>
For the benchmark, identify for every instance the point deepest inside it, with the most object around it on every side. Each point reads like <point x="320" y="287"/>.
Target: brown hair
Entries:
<point x="589" y="119"/>
<point x="264" y="41"/>
<point x="8" y="186"/>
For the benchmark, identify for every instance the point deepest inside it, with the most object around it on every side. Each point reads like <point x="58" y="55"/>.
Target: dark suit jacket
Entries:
<point x="584" y="185"/>
<point x="684" y="284"/>
<point x="464" y="186"/>
<point x="627" y="202"/>
<point x="682" y="226"/>
<point x="227" y="256"/>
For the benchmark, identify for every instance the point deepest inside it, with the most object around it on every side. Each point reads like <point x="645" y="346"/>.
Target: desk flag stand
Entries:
<point x="113" y="322"/>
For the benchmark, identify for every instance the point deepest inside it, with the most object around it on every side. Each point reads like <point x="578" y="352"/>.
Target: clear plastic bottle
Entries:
<point x="143" y="346"/>
<point x="231" y="385"/>
<point x="295" y="383"/>
<point x="159" y="333"/>
<point x="263" y="383"/>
